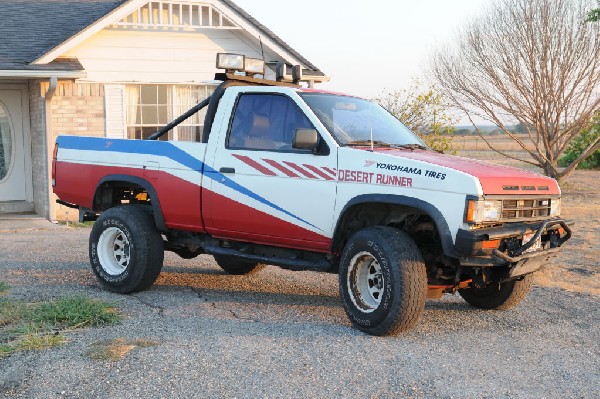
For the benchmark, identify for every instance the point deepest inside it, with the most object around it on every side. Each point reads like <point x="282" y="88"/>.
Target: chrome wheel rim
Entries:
<point x="113" y="251"/>
<point x="365" y="282"/>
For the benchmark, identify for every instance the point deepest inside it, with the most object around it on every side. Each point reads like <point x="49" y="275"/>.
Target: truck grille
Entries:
<point x="525" y="209"/>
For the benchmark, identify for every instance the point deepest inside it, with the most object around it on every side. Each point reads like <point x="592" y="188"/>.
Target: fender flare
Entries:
<point x="427" y="208"/>
<point x="156" y="209"/>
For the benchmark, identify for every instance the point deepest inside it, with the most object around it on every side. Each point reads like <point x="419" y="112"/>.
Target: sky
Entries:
<point x="366" y="47"/>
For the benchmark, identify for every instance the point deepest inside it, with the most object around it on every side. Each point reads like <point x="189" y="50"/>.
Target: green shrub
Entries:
<point x="579" y="144"/>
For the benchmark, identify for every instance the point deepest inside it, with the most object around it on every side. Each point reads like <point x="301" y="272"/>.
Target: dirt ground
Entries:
<point x="576" y="268"/>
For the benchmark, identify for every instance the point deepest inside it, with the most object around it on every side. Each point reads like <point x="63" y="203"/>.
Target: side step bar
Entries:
<point x="285" y="263"/>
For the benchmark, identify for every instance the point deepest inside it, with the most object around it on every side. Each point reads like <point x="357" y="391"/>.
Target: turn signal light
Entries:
<point x="491" y="244"/>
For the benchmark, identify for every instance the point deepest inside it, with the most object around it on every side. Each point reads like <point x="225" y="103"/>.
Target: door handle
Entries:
<point x="227" y="170"/>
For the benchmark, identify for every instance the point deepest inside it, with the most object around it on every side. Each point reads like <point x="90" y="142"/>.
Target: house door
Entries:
<point x="14" y="178"/>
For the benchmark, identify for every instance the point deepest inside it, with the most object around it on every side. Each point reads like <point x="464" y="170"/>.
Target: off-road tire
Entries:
<point x="396" y="266"/>
<point x="136" y="257"/>
<point x="233" y="265"/>
<point x="498" y="296"/>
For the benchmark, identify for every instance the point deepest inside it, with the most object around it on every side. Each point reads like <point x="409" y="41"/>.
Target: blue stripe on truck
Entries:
<point x="168" y="150"/>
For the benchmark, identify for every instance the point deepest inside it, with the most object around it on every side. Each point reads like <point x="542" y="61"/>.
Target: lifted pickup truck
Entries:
<point x="312" y="180"/>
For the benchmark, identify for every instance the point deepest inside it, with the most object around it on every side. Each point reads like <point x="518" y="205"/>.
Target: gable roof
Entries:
<point x="32" y="30"/>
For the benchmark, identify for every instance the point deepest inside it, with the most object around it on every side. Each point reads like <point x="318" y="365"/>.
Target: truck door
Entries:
<point x="263" y="190"/>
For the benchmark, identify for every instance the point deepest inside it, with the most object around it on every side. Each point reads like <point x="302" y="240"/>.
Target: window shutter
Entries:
<point x="114" y="106"/>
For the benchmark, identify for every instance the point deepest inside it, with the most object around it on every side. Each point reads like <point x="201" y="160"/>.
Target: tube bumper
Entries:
<point x="470" y="244"/>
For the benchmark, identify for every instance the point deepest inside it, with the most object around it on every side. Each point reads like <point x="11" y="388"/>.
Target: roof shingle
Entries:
<point x="30" y="28"/>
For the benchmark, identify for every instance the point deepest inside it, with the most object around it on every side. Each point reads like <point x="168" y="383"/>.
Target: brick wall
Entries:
<point x="76" y="109"/>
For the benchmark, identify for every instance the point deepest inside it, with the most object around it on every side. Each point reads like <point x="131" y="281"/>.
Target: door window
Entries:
<point x="266" y="122"/>
<point x="5" y="142"/>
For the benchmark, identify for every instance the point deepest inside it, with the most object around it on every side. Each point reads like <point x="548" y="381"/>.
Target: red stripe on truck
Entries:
<point x="234" y="220"/>
<point x="251" y="162"/>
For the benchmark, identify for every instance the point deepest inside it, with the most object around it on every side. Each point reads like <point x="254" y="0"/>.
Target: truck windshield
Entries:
<point x="355" y="121"/>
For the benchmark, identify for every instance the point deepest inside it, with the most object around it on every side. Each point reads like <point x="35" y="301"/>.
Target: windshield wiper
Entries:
<point x="412" y="146"/>
<point x="368" y="142"/>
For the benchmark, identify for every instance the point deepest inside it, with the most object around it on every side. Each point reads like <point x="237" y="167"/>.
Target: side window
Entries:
<point x="265" y="122"/>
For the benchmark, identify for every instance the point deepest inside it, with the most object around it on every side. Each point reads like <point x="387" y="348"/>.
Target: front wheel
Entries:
<point x="500" y="296"/>
<point x="383" y="281"/>
<point x="126" y="250"/>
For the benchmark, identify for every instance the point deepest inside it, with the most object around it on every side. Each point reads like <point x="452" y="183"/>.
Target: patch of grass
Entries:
<point x="3" y="287"/>
<point x="31" y="326"/>
<point x="116" y="349"/>
<point x="35" y="341"/>
<point x="73" y="312"/>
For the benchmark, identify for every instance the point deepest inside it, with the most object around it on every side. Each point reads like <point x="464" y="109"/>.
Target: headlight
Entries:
<point x="555" y="207"/>
<point x="479" y="211"/>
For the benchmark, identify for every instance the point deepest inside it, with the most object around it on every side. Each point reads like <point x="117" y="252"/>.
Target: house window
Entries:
<point x="150" y="107"/>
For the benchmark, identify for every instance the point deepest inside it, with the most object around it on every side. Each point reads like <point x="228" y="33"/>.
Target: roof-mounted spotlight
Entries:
<point x="296" y="74"/>
<point x="254" y="66"/>
<point x="281" y="72"/>
<point x="230" y="62"/>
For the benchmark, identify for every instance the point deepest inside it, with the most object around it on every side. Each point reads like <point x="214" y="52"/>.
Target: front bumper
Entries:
<point x="551" y="234"/>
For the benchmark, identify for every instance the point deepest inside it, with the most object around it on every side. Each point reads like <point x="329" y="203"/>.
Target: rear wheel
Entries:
<point x="233" y="265"/>
<point x="498" y="296"/>
<point x="126" y="250"/>
<point x="383" y="282"/>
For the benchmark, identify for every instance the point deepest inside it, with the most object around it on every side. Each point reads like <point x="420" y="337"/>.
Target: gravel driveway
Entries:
<point x="281" y="334"/>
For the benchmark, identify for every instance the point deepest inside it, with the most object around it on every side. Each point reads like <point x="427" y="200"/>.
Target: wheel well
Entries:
<point x="417" y="223"/>
<point x="111" y="193"/>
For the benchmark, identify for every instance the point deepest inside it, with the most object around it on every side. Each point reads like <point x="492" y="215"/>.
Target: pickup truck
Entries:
<point x="312" y="180"/>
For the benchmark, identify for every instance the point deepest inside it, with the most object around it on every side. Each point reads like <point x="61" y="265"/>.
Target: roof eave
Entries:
<point x="41" y="74"/>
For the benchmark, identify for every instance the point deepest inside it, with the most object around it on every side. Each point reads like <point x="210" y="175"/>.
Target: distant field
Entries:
<point x="475" y="147"/>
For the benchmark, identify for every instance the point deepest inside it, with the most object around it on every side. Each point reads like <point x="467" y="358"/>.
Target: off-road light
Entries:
<point x="479" y="211"/>
<point x="254" y="66"/>
<point x="230" y="62"/>
<point x="281" y="72"/>
<point x="297" y="74"/>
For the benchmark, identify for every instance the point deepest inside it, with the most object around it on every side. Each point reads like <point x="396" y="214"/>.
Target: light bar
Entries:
<point x="230" y="62"/>
<point x="254" y="66"/>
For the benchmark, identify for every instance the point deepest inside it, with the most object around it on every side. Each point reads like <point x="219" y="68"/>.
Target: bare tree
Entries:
<point x="535" y="62"/>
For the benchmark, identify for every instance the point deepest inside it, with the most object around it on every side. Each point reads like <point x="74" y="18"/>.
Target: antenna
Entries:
<point x="371" y="123"/>
<point x="262" y="50"/>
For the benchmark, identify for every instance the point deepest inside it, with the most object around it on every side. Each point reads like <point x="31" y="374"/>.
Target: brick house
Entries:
<point x="109" y="68"/>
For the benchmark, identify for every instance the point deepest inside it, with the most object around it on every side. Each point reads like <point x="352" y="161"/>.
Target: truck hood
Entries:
<point x="494" y="179"/>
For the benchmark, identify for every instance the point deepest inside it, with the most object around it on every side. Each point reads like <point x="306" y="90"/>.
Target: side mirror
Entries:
<point x="305" y="139"/>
